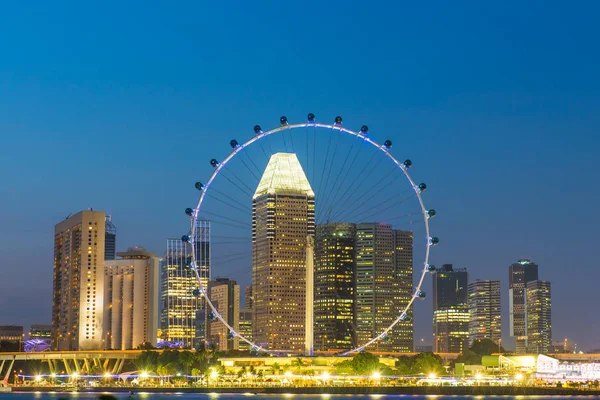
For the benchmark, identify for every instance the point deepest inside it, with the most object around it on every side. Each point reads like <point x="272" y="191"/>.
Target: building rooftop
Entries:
<point x="284" y="175"/>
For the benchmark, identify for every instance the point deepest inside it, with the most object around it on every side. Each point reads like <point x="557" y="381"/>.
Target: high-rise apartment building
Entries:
<point x="335" y="264"/>
<point x="283" y="216"/>
<point x="383" y="284"/>
<point x="538" y="317"/>
<point x="78" y="282"/>
<point x="450" y="309"/>
<point x="225" y="296"/>
<point x="519" y="274"/>
<point x="484" y="311"/>
<point x="110" y="239"/>
<point x="131" y="300"/>
<point x="179" y="307"/>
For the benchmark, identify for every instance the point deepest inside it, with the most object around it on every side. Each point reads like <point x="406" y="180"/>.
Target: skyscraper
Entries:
<point x="539" y="317"/>
<point x="245" y="328"/>
<point x="225" y="296"/>
<point x="283" y="216"/>
<point x="131" y="300"/>
<point x="335" y="262"/>
<point x="110" y="239"/>
<point x="519" y="274"/>
<point x="450" y="309"/>
<point x="179" y="307"/>
<point x="78" y="282"/>
<point x="383" y="284"/>
<point x="403" y="335"/>
<point x="484" y="311"/>
<point x="248" y="298"/>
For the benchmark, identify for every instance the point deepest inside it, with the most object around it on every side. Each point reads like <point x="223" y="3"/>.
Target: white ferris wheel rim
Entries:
<point x="260" y="135"/>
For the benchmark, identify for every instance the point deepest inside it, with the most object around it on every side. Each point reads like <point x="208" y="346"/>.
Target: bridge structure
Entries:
<point x="70" y="362"/>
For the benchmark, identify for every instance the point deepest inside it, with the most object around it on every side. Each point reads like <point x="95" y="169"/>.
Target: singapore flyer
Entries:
<point x="328" y="230"/>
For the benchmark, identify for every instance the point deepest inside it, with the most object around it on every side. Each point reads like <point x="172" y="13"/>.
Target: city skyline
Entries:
<point x="497" y="112"/>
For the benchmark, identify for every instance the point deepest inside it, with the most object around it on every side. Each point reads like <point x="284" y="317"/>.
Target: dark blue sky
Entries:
<point x="120" y="106"/>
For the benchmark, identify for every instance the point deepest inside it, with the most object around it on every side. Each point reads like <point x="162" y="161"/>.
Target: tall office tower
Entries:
<point x="450" y="309"/>
<point x="78" y="282"/>
<point x="539" y="317"/>
<point x="131" y="300"/>
<point x="179" y="307"/>
<point x="110" y="239"/>
<point x="248" y="298"/>
<point x="402" y="339"/>
<point x="335" y="262"/>
<point x="245" y="328"/>
<point x="484" y="311"/>
<point x="383" y="284"/>
<point x="283" y="216"/>
<point x="225" y="296"/>
<point x="519" y="274"/>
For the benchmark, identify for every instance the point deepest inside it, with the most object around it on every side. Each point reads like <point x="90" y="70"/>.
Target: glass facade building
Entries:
<point x="450" y="309"/>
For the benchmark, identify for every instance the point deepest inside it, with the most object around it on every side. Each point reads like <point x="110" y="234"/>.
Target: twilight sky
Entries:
<point x="119" y="107"/>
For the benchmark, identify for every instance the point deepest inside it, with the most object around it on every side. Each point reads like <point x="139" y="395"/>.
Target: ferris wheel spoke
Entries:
<point x="253" y="163"/>
<point x="244" y="209"/>
<point x="249" y="194"/>
<point x="373" y="195"/>
<point x="237" y="221"/>
<point x="352" y="187"/>
<point x="336" y="182"/>
<point x="325" y="203"/>
<point x="249" y="170"/>
<point x="325" y="163"/>
<point x="387" y="208"/>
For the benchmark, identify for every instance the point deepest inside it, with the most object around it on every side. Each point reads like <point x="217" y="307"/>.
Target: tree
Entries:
<point x="480" y="348"/>
<point x="147" y="361"/>
<point x="405" y="365"/>
<point x="428" y="363"/>
<point x="365" y="363"/>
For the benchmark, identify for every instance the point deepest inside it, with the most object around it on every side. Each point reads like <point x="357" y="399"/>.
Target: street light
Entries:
<point x="144" y="374"/>
<point x="325" y="375"/>
<point x="376" y="375"/>
<point x="432" y="376"/>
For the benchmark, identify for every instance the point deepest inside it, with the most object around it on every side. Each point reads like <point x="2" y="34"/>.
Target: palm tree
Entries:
<point x="275" y="368"/>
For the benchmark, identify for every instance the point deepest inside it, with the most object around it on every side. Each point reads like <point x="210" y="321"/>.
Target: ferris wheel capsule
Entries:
<point x="421" y="294"/>
<point x="257" y="129"/>
<point x="234" y="144"/>
<point x="189" y="212"/>
<point x="422" y="187"/>
<point x="283" y="120"/>
<point x="230" y="335"/>
<point x="407" y="164"/>
<point x="196" y="292"/>
<point x="387" y="144"/>
<point x="311" y="117"/>
<point x="431" y="213"/>
<point x="434" y="241"/>
<point x="338" y="120"/>
<point x="199" y="185"/>
<point x="212" y="316"/>
<point x="364" y="129"/>
<point x="214" y="163"/>
<point x="405" y="317"/>
<point x="185" y="239"/>
<point x="430" y="268"/>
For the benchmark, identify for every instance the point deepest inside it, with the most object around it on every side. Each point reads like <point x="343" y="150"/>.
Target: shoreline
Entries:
<point x="399" y="390"/>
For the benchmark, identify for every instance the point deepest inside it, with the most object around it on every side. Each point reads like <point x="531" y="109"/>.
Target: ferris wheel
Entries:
<point x="352" y="178"/>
